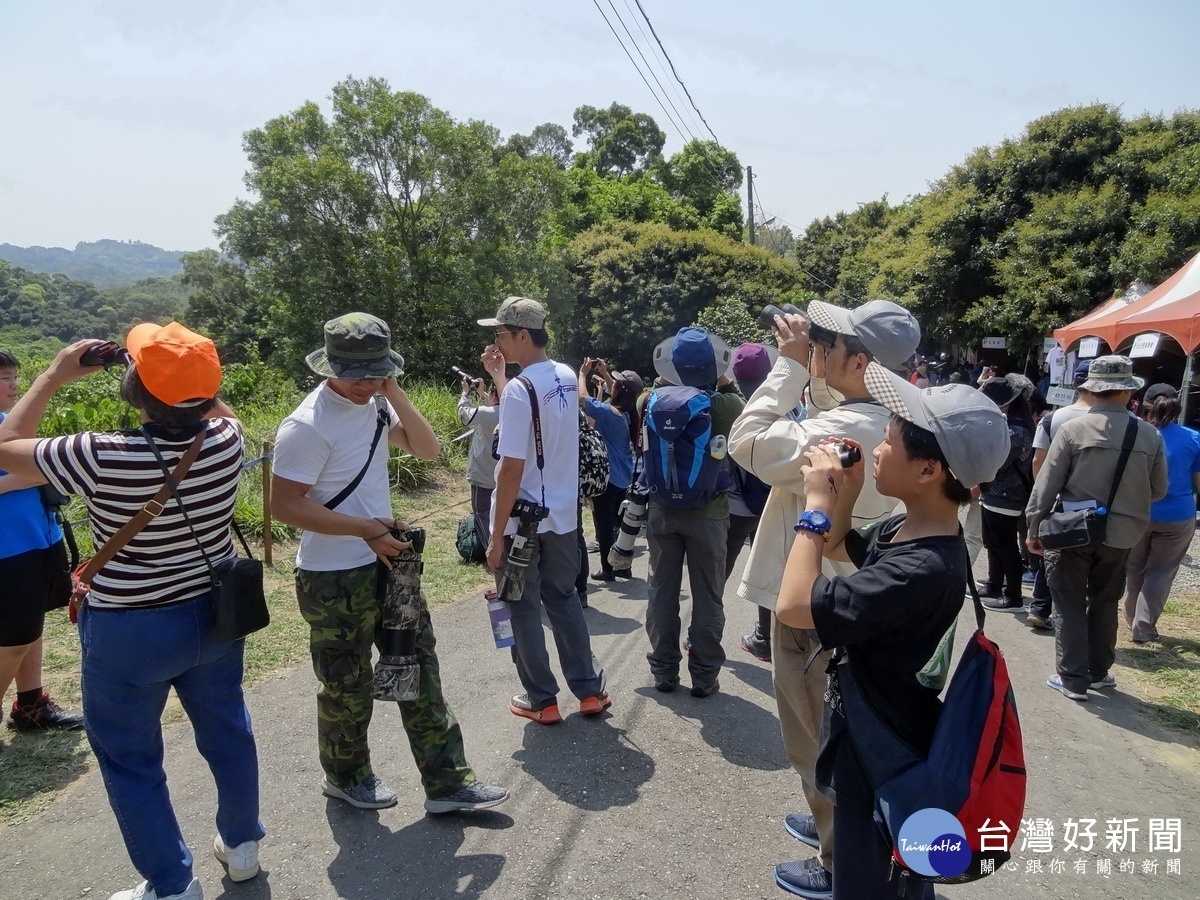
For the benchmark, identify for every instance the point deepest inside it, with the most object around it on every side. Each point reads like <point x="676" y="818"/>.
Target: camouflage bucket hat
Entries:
<point x="1111" y="373"/>
<point x="358" y="347"/>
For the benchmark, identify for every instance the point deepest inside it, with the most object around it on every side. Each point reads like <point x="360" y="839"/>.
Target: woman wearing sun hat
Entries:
<point x="144" y="625"/>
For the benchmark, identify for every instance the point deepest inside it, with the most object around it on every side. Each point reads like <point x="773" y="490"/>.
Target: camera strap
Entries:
<point x="536" y="413"/>
<point x="381" y="422"/>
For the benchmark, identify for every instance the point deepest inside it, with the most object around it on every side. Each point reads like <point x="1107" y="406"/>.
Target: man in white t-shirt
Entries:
<point x="331" y="480"/>
<point x="538" y="475"/>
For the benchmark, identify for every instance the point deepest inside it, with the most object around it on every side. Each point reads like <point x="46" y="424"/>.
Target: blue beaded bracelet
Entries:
<point x="812" y="529"/>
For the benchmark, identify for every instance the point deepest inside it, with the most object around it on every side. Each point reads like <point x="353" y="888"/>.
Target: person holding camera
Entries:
<point x="836" y="348"/>
<point x="144" y="625"/>
<point x="482" y="416"/>
<point x="620" y="425"/>
<point x="535" y="509"/>
<point x="331" y="480"/>
<point x="32" y="561"/>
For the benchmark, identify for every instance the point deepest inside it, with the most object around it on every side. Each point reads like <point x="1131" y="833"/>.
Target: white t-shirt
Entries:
<point x="558" y="390"/>
<point x="1050" y="423"/>
<point x="1060" y="365"/>
<point x="324" y="443"/>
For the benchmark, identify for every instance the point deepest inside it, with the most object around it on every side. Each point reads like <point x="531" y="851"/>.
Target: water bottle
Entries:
<point x="717" y="447"/>
<point x="501" y="618"/>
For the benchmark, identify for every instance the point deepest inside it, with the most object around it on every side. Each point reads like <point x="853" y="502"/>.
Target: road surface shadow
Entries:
<point x="590" y="764"/>
<point x="758" y="676"/>
<point x="601" y="622"/>
<point x="742" y="732"/>
<point x="374" y="861"/>
<point x="1165" y="724"/>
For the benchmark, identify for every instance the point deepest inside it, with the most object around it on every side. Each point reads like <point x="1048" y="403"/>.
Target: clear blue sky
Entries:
<point x="123" y="119"/>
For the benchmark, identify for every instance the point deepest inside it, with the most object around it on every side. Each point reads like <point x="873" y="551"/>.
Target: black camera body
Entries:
<point x="848" y="454"/>
<point x="105" y="353"/>
<point x="414" y="536"/>
<point x="816" y="333"/>
<point x="528" y="511"/>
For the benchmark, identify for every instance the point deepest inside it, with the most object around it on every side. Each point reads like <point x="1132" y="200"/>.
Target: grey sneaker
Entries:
<point x="371" y="794"/>
<point x="475" y="795"/>
<point x="1108" y="681"/>
<point x="807" y="878"/>
<point x="1056" y="682"/>
<point x="803" y="827"/>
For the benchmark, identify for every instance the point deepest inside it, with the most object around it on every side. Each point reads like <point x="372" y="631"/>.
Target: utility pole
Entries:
<point x="750" y="204"/>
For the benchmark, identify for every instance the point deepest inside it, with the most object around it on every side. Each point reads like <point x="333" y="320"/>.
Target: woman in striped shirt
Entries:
<point x="144" y="626"/>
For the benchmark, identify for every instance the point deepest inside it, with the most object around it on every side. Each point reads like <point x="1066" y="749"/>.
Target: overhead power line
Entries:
<point x="675" y="72"/>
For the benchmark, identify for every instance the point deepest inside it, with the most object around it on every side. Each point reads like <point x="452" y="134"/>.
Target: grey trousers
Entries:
<point x="800" y="698"/>
<point x="1153" y="564"/>
<point x="550" y="585"/>
<point x="481" y="508"/>
<point x="1085" y="585"/>
<point x="676" y="536"/>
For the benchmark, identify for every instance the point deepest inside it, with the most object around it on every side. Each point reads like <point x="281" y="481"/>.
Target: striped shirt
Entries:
<point x="117" y="474"/>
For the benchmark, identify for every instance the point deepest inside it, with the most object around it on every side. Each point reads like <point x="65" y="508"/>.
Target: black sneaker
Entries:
<point x="603" y="576"/>
<point x="806" y="878"/>
<point x="706" y="690"/>
<point x="666" y="684"/>
<point x="1001" y="602"/>
<point x="757" y="645"/>
<point x="985" y="589"/>
<point x="44" y="715"/>
<point x="803" y="827"/>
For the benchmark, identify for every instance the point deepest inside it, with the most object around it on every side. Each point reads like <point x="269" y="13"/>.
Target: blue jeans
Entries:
<point x="131" y="658"/>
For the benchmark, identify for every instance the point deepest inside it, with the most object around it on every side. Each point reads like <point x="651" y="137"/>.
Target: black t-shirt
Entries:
<point x="890" y="616"/>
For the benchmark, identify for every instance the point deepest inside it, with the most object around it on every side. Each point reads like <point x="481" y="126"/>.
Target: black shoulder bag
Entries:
<point x="1084" y="527"/>
<point x="239" y="602"/>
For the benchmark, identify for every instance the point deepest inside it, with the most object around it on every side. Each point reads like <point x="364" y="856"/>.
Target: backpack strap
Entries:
<point x="381" y="422"/>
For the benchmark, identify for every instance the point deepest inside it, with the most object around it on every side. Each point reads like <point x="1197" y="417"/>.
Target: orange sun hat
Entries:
<point x="176" y="365"/>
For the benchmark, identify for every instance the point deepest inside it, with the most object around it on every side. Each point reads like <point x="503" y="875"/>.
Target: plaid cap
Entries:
<point x="970" y="429"/>
<point x="888" y="330"/>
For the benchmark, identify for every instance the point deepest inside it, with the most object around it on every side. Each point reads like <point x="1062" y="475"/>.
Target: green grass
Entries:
<point x="1165" y="674"/>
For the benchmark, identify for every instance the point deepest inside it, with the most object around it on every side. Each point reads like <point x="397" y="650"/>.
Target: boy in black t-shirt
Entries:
<point x="891" y="615"/>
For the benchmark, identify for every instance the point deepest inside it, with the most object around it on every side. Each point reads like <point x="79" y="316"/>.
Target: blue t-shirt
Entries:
<point x="613" y="426"/>
<point x="24" y="522"/>
<point x="1183" y="458"/>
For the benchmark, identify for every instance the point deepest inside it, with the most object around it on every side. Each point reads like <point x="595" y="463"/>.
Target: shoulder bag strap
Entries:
<point x="381" y="422"/>
<point x="1126" y="449"/>
<point x="536" y="413"/>
<point x="152" y="509"/>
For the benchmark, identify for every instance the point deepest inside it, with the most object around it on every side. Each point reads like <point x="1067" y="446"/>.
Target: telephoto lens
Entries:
<point x="633" y="515"/>
<point x="397" y="674"/>
<point x="516" y="564"/>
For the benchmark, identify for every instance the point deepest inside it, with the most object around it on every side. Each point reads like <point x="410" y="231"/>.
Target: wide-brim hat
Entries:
<point x="358" y="347"/>
<point x="970" y="430"/>
<point x="692" y="358"/>
<point x="1000" y="391"/>
<point x="1112" y="373"/>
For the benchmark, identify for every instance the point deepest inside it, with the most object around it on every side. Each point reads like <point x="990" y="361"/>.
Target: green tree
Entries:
<point x="620" y="141"/>
<point x="548" y="140"/>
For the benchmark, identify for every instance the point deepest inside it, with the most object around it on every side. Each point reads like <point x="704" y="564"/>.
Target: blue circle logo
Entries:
<point x="932" y="842"/>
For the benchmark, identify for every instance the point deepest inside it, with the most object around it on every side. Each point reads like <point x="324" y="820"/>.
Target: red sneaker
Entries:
<point x="593" y="706"/>
<point x="546" y="713"/>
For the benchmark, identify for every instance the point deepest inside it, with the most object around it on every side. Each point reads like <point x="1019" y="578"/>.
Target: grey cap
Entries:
<point x="887" y="329"/>
<point x="1111" y="373"/>
<point x="970" y="429"/>
<point x="358" y="347"/>
<point x="519" y="312"/>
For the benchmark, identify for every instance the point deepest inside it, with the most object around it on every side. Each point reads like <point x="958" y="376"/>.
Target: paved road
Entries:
<point x="667" y="797"/>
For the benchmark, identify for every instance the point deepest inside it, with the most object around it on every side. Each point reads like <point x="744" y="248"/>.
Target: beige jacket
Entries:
<point x="770" y="445"/>
<point x="1082" y="461"/>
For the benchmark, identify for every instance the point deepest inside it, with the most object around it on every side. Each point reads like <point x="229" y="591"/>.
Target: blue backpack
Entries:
<point x="681" y="471"/>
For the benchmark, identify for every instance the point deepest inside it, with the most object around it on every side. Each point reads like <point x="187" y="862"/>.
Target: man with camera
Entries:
<point x="535" y="510"/>
<point x="331" y="480"/>
<point x="836" y="345"/>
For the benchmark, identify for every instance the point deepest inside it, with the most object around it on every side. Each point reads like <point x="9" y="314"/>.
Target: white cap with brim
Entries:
<point x="888" y="330"/>
<point x="970" y="429"/>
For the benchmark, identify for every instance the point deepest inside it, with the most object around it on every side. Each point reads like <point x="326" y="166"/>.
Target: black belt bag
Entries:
<point x="1086" y="527"/>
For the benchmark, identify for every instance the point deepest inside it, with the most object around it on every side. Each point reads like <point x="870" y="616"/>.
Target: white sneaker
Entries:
<point x="144" y="892"/>
<point x="241" y="862"/>
<point x="1056" y="682"/>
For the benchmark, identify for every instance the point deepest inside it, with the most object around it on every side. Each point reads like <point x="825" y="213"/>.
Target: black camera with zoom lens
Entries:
<point x="528" y="511"/>
<point x="105" y="353"/>
<point x="847" y="453"/>
<point x="414" y="536"/>
<point x="816" y="333"/>
<point x="478" y="382"/>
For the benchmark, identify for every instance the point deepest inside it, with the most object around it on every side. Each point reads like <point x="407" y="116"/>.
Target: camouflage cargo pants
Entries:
<point x="343" y="613"/>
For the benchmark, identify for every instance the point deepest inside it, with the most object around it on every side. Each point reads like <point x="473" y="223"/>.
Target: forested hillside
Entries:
<point x="103" y="263"/>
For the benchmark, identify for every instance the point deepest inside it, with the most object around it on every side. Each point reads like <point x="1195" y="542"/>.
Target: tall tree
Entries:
<point x="620" y="141"/>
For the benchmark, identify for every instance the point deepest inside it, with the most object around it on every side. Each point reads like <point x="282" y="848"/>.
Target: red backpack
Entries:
<point x="973" y="776"/>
